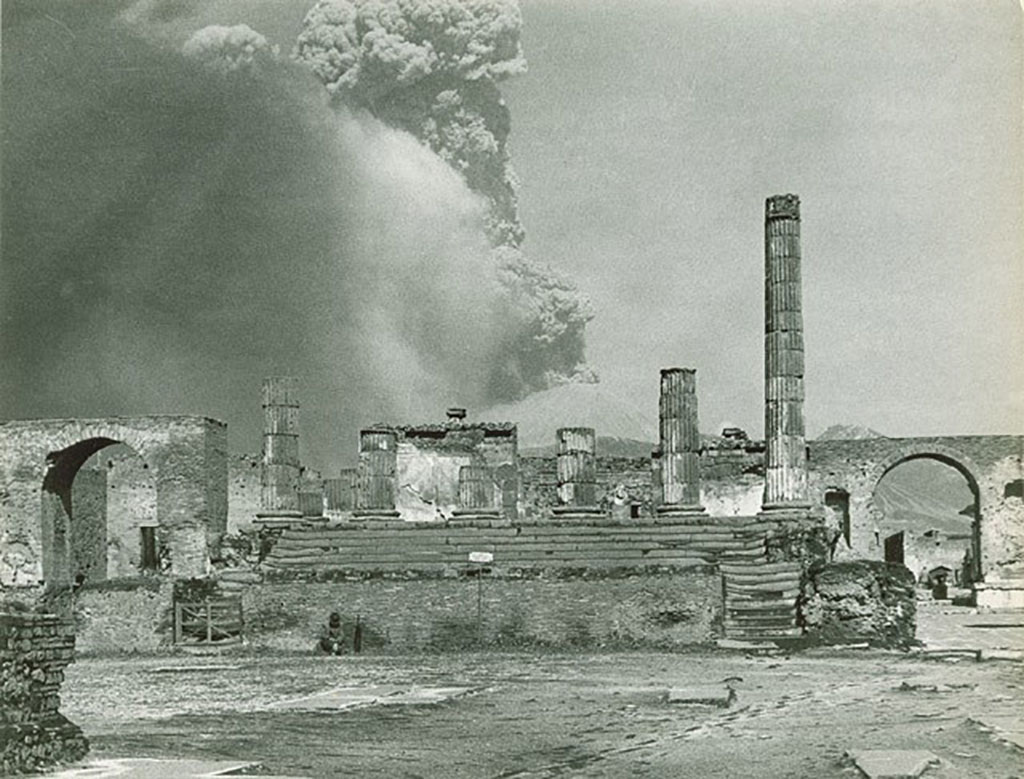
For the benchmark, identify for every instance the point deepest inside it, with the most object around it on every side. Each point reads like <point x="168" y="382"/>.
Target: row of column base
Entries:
<point x="774" y="512"/>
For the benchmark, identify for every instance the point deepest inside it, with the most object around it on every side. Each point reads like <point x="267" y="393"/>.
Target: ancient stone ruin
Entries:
<point x="704" y="539"/>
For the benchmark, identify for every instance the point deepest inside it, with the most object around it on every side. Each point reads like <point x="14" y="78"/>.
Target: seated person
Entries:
<point x="332" y="637"/>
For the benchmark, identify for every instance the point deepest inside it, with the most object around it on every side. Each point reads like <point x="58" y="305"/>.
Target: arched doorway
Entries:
<point x="926" y="515"/>
<point x="99" y="514"/>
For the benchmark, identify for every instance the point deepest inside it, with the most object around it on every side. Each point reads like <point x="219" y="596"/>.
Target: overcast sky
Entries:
<point x="155" y="226"/>
<point x="648" y="134"/>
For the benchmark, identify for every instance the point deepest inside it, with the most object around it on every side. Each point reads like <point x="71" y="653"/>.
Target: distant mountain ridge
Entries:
<point x="848" y="433"/>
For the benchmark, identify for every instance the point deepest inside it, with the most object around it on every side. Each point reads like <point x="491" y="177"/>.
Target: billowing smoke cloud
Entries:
<point x="432" y="68"/>
<point x="182" y="217"/>
<point x="229" y="49"/>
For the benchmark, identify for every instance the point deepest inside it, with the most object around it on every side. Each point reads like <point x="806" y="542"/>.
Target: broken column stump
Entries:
<point x="279" y="474"/>
<point x="477" y="494"/>
<point x="577" y="474"/>
<point x="376" y="475"/>
<point x="680" y="444"/>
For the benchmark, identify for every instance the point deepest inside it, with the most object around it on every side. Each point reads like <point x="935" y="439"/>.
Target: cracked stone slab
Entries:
<point x="702" y="694"/>
<point x="892" y="763"/>
<point x="341" y="698"/>
<point x="158" y="768"/>
<point x="1009" y="729"/>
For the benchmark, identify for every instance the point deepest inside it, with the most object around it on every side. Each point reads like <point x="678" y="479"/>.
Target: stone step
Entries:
<point x="741" y="568"/>
<point x="238" y="575"/>
<point x="760" y="621"/>
<point x="786" y="604"/>
<point x="755" y="634"/>
<point x="754" y="576"/>
<point x="756" y="591"/>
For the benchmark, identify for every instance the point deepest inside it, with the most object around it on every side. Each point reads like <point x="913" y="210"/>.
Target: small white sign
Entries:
<point x="481" y="557"/>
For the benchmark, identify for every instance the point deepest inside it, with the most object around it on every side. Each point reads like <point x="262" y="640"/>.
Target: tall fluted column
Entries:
<point x="477" y="496"/>
<point x="279" y="472"/>
<point x="785" y="447"/>
<point x="577" y="472"/>
<point x="680" y="442"/>
<point x="377" y="474"/>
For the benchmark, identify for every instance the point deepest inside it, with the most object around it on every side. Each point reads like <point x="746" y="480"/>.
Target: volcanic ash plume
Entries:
<point x="228" y="49"/>
<point x="432" y="68"/>
<point x="185" y="213"/>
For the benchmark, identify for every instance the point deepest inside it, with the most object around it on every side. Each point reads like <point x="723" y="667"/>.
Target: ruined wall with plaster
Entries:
<point x="186" y="455"/>
<point x="131" y="505"/>
<point x="124" y="617"/>
<point x="243" y="491"/>
<point x="430" y="457"/>
<point x="89" y="529"/>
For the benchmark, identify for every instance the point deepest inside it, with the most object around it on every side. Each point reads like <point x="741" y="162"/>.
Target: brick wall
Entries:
<point x="34" y="650"/>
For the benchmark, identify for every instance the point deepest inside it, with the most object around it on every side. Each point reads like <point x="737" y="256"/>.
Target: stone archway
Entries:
<point x="947" y="456"/>
<point x="187" y="457"/>
<point x="92" y="516"/>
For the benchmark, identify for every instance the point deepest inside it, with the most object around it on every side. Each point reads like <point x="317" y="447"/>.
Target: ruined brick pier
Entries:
<point x="34" y="650"/>
<point x="680" y="443"/>
<point x="279" y="483"/>
<point x="785" y="447"/>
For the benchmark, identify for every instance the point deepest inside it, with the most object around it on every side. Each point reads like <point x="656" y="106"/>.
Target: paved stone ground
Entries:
<point x="941" y="625"/>
<point x="556" y="715"/>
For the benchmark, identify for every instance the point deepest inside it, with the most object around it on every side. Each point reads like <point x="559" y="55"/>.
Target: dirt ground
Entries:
<point x="551" y="715"/>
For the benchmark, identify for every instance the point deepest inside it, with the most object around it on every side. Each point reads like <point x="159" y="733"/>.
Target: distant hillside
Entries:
<point x="576" y="405"/>
<point x="606" y="447"/>
<point x="848" y="433"/>
<point x="925" y="494"/>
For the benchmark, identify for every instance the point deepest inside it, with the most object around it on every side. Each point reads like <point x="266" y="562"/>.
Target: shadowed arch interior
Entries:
<point x="924" y="547"/>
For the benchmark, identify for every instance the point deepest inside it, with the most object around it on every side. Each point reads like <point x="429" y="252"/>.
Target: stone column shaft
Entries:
<point x="279" y="474"/>
<point x="680" y="442"/>
<point x="477" y="495"/>
<point x="577" y="471"/>
<point x="377" y="474"/>
<point x="785" y="445"/>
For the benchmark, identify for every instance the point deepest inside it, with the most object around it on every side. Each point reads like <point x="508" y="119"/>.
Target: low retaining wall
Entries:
<point x="863" y="600"/>
<point x="34" y="650"/>
<point x="658" y="609"/>
<point x="132" y="615"/>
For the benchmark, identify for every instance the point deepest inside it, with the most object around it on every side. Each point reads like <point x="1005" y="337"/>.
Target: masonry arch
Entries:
<point x="887" y="546"/>
<point x="183" y="458"/>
